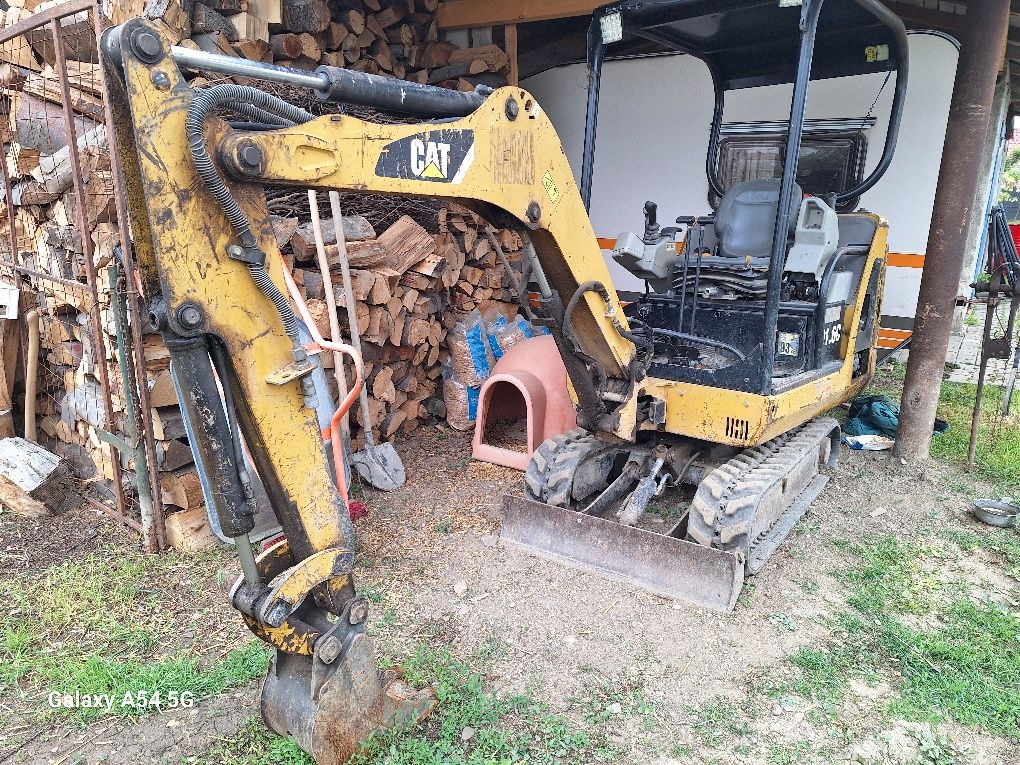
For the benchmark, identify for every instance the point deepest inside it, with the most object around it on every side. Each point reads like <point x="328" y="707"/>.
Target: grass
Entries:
<point x="474" y="725"/>
<point x="718" y="721"/>
<point x="1005" y="546"/>
<point x="471" y="725"/>
<point x="952" y="657"/>
<point x="997" y="457"/>
<point x="254" y="744"/>
<point x="95" y="625"/>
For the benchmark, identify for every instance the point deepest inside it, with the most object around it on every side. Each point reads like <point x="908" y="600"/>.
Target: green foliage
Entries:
<point x="254" y="744"/>
<point x="1009" y="183"/>
<point x="103" y="675"/>
<point x="960" y="662"/>
<point x="1003" y="543"/>
<point x="967" y="667"/>
<point x="997" y="458"/>
<point x="718" y="721"/>
<point x="472" y="726"/>
<point x="783" y="622"/>
<point x="90" y="625"/>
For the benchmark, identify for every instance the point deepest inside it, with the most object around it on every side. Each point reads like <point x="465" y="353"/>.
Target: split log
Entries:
<point x="286" y="45"/>
<point x="353" y="20"/>
<point x="181" y="488"/>
<point x="174" y="16"/>
<point x="189" y="530"/>
<point x="249" y="26"/>
<point x="39" y="475"/>
<point x="356" y="229"/>
<point x="172" y="455"/>
<point x="226" y="7"/>
<point x="398" y="248"/>
<point x="206" y="20"/>
<point x="306" y="15"/>
<point x="254" y="50"/>
<point x="310" y="46"/>
<point x="270" y="10"/>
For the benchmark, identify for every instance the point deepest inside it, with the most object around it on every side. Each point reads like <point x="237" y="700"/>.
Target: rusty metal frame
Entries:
<point x="51" y="17"/>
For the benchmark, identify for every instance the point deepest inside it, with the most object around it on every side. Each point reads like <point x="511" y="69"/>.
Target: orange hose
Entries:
<point x="332" y="434"/>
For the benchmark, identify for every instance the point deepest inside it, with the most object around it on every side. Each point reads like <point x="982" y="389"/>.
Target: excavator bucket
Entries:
<point x="332" y="708"/>
<point x="664" y="565"/>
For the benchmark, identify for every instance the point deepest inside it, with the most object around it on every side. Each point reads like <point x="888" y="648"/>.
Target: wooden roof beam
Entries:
<point x="466" y="14"/>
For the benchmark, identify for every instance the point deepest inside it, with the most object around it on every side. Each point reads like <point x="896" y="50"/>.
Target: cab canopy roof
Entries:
<point x="749" y="43"/>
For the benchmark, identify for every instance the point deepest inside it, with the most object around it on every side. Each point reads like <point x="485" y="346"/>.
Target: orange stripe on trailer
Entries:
<point x="905" y="260"/>
<point x="899" y="334"/>
<point x="888" y="343"/>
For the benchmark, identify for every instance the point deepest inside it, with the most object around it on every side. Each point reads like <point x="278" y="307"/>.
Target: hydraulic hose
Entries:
<point x="260" y="276"/>
<point x="257" y="115"/>
<point x="603" y="293"/>
<point x="254" y="104"/>
<point x="698" y="340"/>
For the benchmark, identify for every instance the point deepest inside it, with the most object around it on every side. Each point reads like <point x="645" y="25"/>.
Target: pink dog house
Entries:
<point x="528" y="383"/>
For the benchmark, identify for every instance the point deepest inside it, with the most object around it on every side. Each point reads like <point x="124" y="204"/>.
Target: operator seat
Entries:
<point x="746" y="219"/>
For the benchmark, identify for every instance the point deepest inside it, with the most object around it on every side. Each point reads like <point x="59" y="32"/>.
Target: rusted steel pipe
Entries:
<point x="969" y="113"/>
<point x="132" y="297"/>
<point x="91" y="279"/>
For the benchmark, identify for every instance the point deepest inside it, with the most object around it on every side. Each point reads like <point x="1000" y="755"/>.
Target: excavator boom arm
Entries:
<point x="215" y="287"/>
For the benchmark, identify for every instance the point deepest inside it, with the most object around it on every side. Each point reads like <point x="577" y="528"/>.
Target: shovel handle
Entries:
<point x="332" y="434"/>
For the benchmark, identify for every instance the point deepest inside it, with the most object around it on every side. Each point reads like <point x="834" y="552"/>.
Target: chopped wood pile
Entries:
<point x="411" y="283"/>
<point x="410" y="286"/>
<point x="398" y="38"/>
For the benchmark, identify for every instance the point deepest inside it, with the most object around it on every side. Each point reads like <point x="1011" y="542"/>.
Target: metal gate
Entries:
<point x="66" y="244"/>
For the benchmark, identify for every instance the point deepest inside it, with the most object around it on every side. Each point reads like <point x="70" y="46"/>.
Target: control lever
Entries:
<point x="651" y="225"/>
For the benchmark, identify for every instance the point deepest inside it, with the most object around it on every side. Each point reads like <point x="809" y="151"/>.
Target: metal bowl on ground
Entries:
<point x="995" y="512"/>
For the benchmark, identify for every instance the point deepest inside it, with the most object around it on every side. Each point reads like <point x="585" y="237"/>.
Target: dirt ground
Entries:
<point x="431" y="560"/>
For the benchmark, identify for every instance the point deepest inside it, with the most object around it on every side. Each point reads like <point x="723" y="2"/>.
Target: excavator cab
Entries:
<point x="779" y="257"/>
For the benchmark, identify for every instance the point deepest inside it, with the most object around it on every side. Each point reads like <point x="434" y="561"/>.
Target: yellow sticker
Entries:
<point x="550" y="187"/>
<point x="876" y="53"/>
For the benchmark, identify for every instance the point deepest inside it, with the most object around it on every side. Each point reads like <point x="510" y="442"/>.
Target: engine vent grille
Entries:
<point x="736" y="428"/>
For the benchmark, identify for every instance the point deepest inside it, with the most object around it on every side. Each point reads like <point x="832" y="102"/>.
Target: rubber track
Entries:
<point x="550" y="474"/>
<point x="726" y="502"/>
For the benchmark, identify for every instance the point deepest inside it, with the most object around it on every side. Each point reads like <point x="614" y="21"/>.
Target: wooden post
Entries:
<point x="510" y="43"/>
<point x="969" y="113"/>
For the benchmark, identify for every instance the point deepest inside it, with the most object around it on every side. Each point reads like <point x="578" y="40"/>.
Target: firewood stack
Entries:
<point x="410" y="286"/>
<point x="412" y="280"/>
<point x="398" y="38"/>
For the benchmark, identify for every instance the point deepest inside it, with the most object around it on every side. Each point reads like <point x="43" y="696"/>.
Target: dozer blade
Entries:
<point x="661" y="564"/>
<point x="331" y="709"/>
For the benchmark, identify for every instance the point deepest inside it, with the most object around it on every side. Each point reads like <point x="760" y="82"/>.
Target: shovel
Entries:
<point x="378" y="464"/>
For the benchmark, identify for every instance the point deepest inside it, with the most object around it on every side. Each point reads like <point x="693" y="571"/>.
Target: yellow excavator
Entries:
<point x="757" y="320"/>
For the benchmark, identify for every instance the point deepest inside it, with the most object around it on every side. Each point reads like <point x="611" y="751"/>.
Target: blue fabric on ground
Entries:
<point x="878" y="416"/>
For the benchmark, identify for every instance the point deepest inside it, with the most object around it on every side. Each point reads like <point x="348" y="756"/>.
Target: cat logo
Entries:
<point x="430" y="159"/>
<point x="438" y="156"/>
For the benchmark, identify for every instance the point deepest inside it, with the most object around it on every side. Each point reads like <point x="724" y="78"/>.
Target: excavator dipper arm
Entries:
<point x="214" y="285"/>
